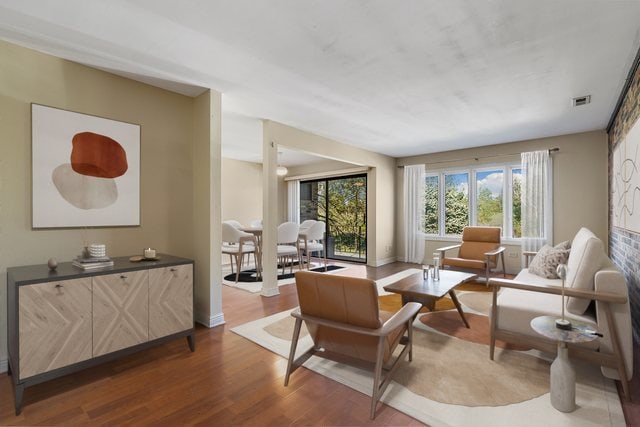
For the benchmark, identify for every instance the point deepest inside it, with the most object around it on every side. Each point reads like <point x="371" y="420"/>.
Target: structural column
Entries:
<point x="269" y="212"/>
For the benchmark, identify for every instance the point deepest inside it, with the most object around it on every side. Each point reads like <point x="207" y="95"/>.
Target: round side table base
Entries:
<point x="563" y="381"/>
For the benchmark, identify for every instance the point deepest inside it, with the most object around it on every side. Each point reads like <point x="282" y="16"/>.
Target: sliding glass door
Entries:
<point x="341" y="203"/>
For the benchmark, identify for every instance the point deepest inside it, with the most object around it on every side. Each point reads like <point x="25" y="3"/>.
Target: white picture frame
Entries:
<point x="96" y="186"/>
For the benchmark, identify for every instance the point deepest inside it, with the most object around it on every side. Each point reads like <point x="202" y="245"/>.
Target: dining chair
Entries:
<point x="236" y="244"/>
<point x="288" y="244"/>
<point x="306" y="224"/>
<point x="233" y="222"/>
<point x="313" y="240"/>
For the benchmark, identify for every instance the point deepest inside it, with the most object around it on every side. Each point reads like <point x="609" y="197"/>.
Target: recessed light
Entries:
<point x="581" y="100"/>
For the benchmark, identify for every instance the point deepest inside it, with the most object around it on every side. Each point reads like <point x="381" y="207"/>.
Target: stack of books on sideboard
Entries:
<point x="94" y="256"/>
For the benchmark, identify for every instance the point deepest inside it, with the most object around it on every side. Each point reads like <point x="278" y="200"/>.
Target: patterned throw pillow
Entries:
<point x="546" y="261"/>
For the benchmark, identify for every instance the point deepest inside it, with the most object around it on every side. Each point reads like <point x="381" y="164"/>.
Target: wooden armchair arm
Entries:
<point x="496" y="251"/>
<point x="557" y="290"/>
<point x="404" y="315"/>
<point x="447" y="248"/>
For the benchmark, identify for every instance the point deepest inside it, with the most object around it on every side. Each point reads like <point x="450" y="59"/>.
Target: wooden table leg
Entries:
<point x="453" y="296"/>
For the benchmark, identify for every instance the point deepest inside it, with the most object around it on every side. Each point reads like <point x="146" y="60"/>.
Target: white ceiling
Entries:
<point x="400" y="78"/>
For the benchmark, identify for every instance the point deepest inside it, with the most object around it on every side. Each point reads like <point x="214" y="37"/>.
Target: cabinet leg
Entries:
<point x="19" y="392"/>
<point x="191" y="339"/>
<point x="9" y="368"/>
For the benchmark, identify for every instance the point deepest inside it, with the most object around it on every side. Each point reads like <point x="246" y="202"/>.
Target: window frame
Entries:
<point x="507" y="199"/>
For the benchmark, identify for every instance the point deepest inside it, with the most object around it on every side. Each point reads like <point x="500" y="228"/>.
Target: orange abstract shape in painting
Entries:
<point x="98" y="155"/>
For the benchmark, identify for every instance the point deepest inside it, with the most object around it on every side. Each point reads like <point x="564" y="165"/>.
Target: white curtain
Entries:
<point x="413" y="213"/>
<point x="537" y="200"/>
<point x="293" y="201"/>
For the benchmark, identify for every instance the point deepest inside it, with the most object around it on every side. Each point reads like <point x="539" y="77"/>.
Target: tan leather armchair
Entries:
<point x="342" y="316"/>
<point x="479" y="250"/>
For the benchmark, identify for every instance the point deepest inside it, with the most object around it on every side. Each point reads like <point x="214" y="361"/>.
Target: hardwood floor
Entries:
<point x="227" y="381"/>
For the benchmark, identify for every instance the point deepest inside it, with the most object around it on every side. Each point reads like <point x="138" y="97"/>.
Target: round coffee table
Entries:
<point x="563" y="376"/>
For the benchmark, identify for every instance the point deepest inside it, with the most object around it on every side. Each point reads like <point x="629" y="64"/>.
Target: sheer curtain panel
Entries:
<point x="537" y="200"/>
<point x="413" y="213"/>
<point x="293" y="201"/>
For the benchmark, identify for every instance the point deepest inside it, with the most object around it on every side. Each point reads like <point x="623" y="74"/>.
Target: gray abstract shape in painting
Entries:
<point x="82" y="191"/>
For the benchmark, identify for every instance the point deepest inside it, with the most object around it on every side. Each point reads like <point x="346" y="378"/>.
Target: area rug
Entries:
<point x="249" y="282"/>
<point x="451" y="380"/>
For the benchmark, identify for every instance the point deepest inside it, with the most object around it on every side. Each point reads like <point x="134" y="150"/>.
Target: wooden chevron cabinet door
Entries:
<point x="54" y="325"/>
<point x="120" y="311"/>
<point x="170" y="300"/>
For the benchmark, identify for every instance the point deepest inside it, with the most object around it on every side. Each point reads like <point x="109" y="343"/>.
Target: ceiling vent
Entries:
<point x="581" y="100"/>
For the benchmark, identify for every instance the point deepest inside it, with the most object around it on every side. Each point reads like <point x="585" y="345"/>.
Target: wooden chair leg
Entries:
<point x="231" y="262"/>
<point x="377" y="378"/>
<point x="410" y="335"/>
<point x="292" y="351"/>
<point x="238" y="265"/>
<point x="487" y="275"/>
<point x="494" y="324"/>
<point x="504" y="270"/>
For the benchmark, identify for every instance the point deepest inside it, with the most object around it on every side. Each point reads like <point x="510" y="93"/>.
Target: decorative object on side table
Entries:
<point x="52" y="263"/>
<point x="93" y="256"/>
<point x="562" y="323"/>
<point x="563" y="376"/>
<point x="149" y="253"/>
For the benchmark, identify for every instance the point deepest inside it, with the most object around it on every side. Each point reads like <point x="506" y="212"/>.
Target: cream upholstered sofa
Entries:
<point x="597" y="295"/>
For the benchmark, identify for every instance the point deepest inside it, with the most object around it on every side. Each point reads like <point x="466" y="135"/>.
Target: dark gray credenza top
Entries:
<point x="29" y="274"/>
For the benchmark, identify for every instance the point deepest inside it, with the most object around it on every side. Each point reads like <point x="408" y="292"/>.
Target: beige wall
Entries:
<point x="381" y="182"/>
<point x="580" y="195"/>
<point x="166" y="184"/>
<point x="241" y="190"/>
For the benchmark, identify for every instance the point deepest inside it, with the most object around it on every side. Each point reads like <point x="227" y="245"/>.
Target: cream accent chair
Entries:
<point x="288" y="244"/>
<point x="343" y="319"/>
<point x="591" y="277"/>
<point x="307" y="223"/>
<point x="313" y="240"/>
<point x="479" y="250"/>
<point x="236" y="244"/>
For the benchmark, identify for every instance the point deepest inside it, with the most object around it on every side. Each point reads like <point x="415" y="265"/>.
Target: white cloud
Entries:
<point x="493" y="182"/>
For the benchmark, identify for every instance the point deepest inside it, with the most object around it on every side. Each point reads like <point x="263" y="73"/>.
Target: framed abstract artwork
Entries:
<point x="85" y="170"/>
<point x="626" y="181"/>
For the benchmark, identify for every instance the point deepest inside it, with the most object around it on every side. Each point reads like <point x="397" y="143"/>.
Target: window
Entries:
<point x="341" y="203"/>
<point x="516" y="202"/>
<point x="456" y="202"/>
<point x="484" y="196"/>
<point x="431" y="197"/>
<point x="490" y="186"/>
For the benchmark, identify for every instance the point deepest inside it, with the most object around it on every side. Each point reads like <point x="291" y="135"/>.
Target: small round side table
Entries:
<point x="563" y="376"/>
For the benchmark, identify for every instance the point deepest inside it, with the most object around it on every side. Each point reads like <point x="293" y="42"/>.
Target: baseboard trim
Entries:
<point x="4" y="366"/>
<point x="383" y="261"/>
<point x="211" y="321"/>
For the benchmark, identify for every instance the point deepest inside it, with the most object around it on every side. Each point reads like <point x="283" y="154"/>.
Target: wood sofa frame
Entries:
<point x="613" y="360"/>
